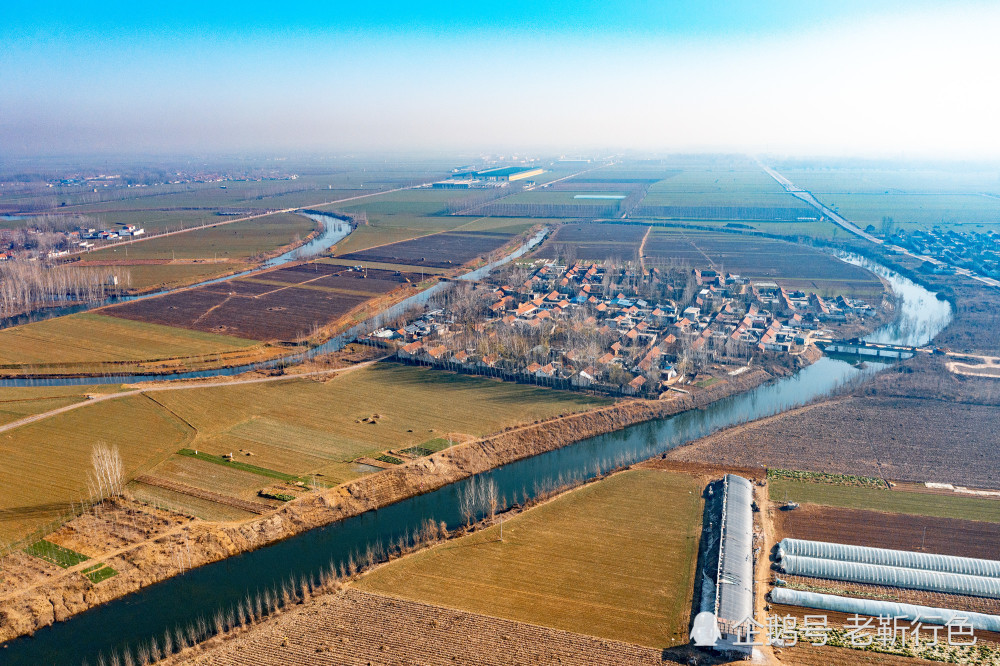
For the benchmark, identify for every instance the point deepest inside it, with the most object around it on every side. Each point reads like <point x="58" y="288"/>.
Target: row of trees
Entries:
<point x="31" y="285"/>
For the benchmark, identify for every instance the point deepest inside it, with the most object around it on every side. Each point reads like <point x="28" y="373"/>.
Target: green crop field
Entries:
<point x="238" y="240"/>
<point x="894" y="501"/>
<point x="91" y="338"/>
<point x="55" y="554"/>
<point x="297" y="427"/>
<point x="614" y="559"/>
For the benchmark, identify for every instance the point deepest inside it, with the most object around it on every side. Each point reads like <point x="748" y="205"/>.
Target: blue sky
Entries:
<point x="815" y="76"/>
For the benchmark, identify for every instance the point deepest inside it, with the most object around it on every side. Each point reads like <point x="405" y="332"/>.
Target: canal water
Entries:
<point x="201" y="592"/>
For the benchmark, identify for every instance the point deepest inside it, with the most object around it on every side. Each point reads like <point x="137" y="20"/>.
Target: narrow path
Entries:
<point x="642" y="249"/>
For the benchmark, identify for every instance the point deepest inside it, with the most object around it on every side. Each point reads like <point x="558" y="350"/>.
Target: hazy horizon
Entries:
<point x="897" y="79"/>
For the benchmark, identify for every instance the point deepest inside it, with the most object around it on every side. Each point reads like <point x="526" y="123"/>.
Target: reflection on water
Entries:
<point x="205" y="590"/>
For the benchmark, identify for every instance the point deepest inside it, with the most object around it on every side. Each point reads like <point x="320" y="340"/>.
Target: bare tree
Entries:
<point x="108" y="475"/>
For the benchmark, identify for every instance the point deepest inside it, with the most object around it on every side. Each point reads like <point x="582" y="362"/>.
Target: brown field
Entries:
<point x="595" y="240"/>
<point x="283" y="304"/>
<point x="445" y="250"/>
<point x="613" y="559"/>
<point x="792" y="265"/>
<point x="946" y="536"/>
<point x="894" y="438"/>
<point x="358" y="628"/>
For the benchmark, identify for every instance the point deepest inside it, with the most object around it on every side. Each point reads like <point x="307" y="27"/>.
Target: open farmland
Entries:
<point x="156" y="275"/>
<point x="46" y="463"/>
<point x="238" y="240"/>
<point x="737" y="190"/>
<point x="298" y="426"/>
<point x="790" y="265"/>
<point x="873" y="435"/>
<point x="355" y="627"/>
<point x="444" y="250"/>
<point x="596" y="241"/>
<point x="939" y="504"/>
<point x="289" y="426"/>
<point x="283" y="304"/>
<point x="613" y="559"/>
<point x="17" y="403"/>
<point x="91" y="342"/>
<point x="914" y="197"/>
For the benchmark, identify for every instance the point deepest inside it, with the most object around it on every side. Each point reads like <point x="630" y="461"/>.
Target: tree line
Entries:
<point x="31" y="285"/>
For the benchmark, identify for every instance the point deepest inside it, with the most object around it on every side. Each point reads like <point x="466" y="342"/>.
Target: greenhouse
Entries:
<point x="875" y="574"/>
<point x="893" y="558"/>
<point x="876" y="608"/>
<point x="734" y="582"/>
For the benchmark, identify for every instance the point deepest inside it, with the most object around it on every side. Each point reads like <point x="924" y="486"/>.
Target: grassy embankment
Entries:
<point x="614" y="559"/>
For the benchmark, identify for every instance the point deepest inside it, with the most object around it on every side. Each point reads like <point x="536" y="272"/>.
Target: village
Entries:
<point x="975" y="251"/>
<point x="620" y="329"/>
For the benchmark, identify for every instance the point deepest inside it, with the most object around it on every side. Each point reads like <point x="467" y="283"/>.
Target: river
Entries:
<point x="134" y="619"/>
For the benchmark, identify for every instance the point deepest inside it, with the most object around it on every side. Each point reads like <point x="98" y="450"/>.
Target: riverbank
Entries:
<point x="154" y="560"/>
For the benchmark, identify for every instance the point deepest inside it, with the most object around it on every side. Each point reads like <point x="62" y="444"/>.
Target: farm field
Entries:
<point x="17" y="403"/>
<point x="299" y="426"/>
<point x="354" y="627"/>
<point x="147" y="277"/>
<point x="873" y="436"/>
<point x="561" y="195"/>
<point x="808" y="229"/>
<point x="287" y="303"/>
<point x="90" y="340"/>
<point x="446" y="250"/>
<point x="914" y="198"/>
<point x="46" y="463"/>
<point x="595" y="240"/>
<point x="934" y="504"/>
<point x="968" y="212"/>
<point x="289" y="426"/>
<point x="791" y="265"/>
<point x="239" y="240"/>
<point x="614" y="559"/>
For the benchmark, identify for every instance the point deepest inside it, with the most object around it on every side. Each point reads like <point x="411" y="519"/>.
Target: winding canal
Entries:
<point x="136" y="618"/>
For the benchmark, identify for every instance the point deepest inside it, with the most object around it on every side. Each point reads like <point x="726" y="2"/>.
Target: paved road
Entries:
<point x="840" y="221"/>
